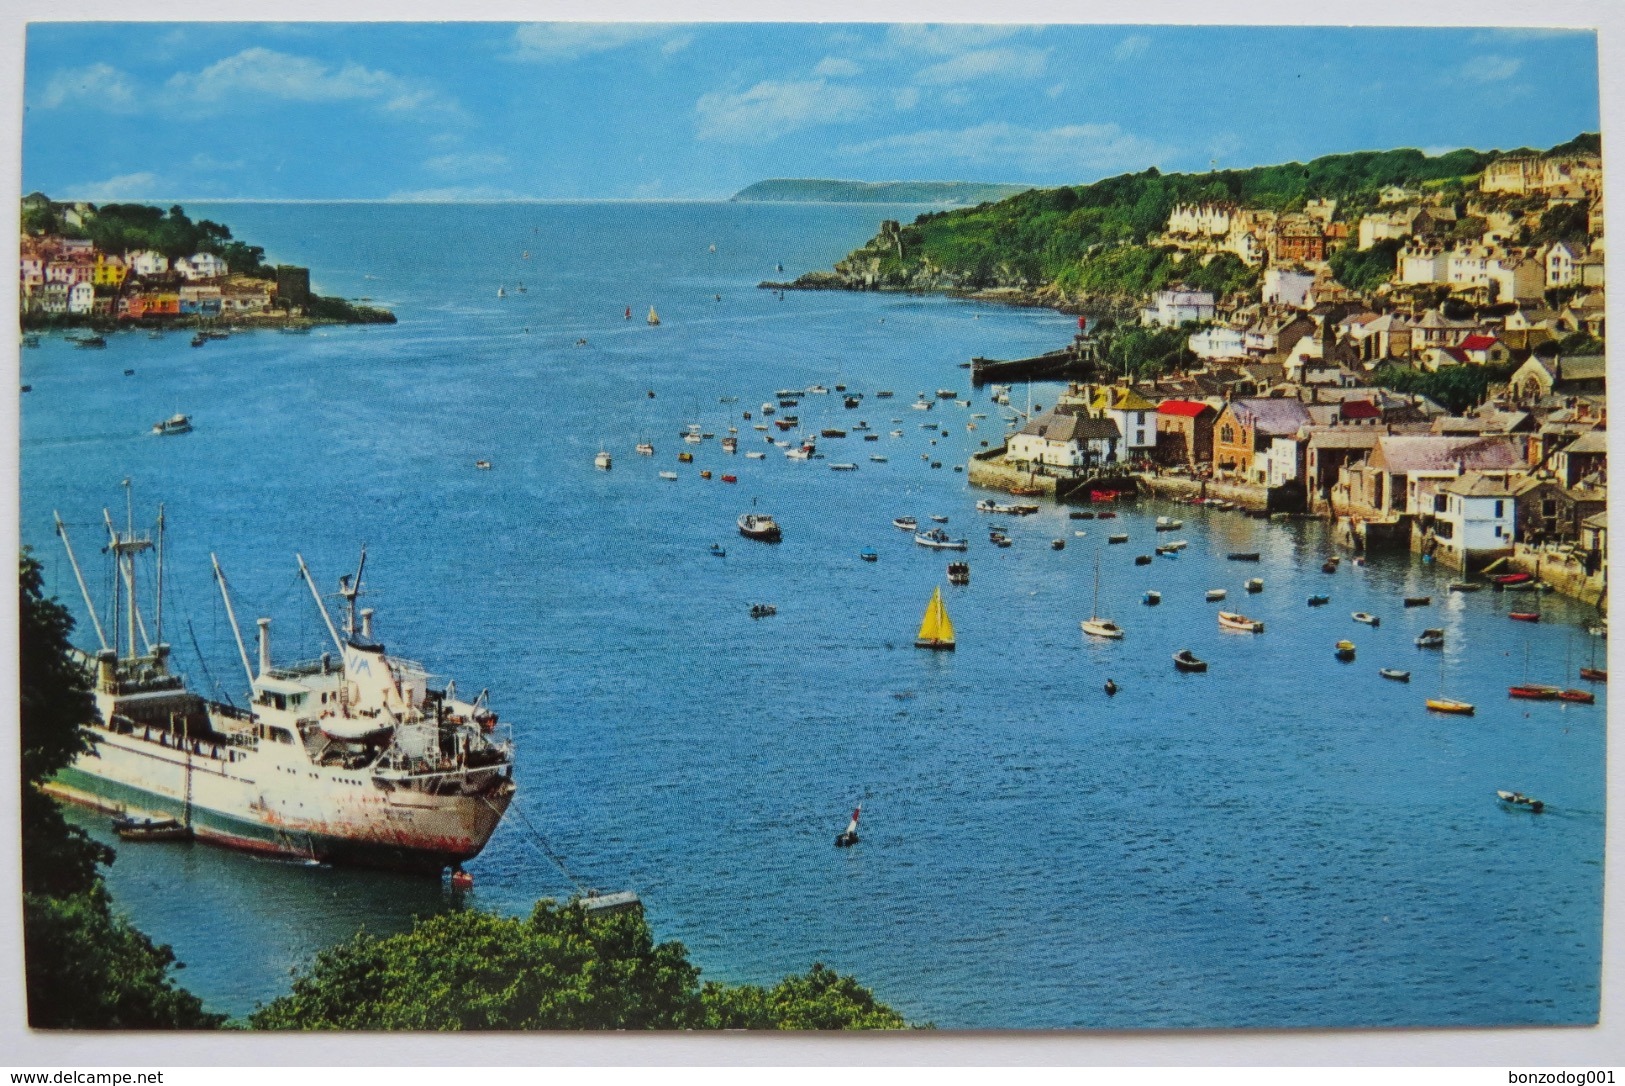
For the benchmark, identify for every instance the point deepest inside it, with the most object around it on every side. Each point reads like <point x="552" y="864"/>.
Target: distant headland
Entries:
<point x="815" y="190"/>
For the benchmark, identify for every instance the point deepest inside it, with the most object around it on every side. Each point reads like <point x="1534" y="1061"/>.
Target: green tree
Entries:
<point x="1366" y="269"/>
<point x="87" y="968"/>
<point x="559" y="968"/>
<point x="1455" y="388"/>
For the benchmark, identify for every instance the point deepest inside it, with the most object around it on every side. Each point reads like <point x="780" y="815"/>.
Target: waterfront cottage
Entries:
<point x="1247" y="427"/>
<point x="1586" y="455"/>
<point x="1185" y="432"/>
<point x="81" y="297"/>
<point x="1327" y="451"/>
<point x="1133" y="415"/>
<point x="1404" y="466"/>
<point x="1473" y="523"/>
<point x="1065" y="440"/>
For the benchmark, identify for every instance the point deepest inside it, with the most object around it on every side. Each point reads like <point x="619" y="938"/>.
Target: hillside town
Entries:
<point x="1309" y="396"/>
<point x="66" y="278"/>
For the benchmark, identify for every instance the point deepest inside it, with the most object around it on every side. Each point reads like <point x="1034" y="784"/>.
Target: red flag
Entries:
<point x="857" y="812"/>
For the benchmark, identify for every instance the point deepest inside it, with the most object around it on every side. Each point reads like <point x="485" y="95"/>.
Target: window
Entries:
<point x="1227" y="434"/>
<point x="1498" y="508"/>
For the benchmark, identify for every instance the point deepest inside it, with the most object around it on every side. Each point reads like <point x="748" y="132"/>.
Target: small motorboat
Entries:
<point x="939" y="518"/>
<point x="1395" y="674"/>
<point x="937" y="539"/>
<point x="843" y="467"/>
<point x="868" y="555"/>
<point x="1366" y="617"/>
<point x="1143" y="559"/>
<point x="1465" y="586"/>
<point x="1319" y="601"/>
<point x="1533" y="692"/>
<point x="1579" y="697"/>
<point x="907" y="524"/>
<point x="685" y="458"/>
<point x="1450" y="705"/>
<point x="717" y="551"/>
<point x="1328" y="566"/>
<point x="1117" y="539"/>
<point x="762" y="610"/>
<point x="1110" y="688"/>
<point x="998" y="539"/>
<point x="1214" y="595"/>
<point x="645" y="449"/>
<point x="1168" y="552"/>
<point x="1418" y="601"/>
<point x="1185" y="660"/>
<point x="151" y="829"/>
<point x="1344" y="650"/>
<point x="1505" y="579"/>
<point x="1517" y="801"/>
<point x="1231" y="620"/>
<point x="1057" y="544"/>
<point x="129" y="373"/>
<point x="91" y="342"/>
<point x="1242" y="556"/>
<point x="602" y="461"/>
<point x="1432" y="638"/>
<point x="1524" y="616"/>
<point x="1169" y="524"/>
<point x="759" y="526"/>
<point x="483" y="465"/>
<point x="1151" y="599"/>
<point x="1079" y="514"/>
<point x="174" y="424"/>
<point x="730" y="478"/>
<point x="756" y="456"/>
<point x="199" y="339"/>
<point x="1594" y="674"/>
<point x="849" y="836"/>
<point x="877" y="459"/>
<point x="830" y="431"/>
<point x="959" y="573"/>
<point x="1104" y="515"/>
<point x="1255" y="584"/>
<point x="669" y="476"/>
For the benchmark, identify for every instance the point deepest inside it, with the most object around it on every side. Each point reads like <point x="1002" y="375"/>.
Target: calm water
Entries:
<point x="1284" y="841"/>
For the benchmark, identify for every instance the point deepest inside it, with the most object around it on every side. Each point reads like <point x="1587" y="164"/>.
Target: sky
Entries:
<point x="495" y="111"/>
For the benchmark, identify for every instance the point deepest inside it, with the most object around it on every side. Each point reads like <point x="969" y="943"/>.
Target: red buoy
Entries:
<point x="462" y="880"/>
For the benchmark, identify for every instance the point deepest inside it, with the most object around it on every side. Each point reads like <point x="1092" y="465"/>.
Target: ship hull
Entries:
<point x="332" y="820"/>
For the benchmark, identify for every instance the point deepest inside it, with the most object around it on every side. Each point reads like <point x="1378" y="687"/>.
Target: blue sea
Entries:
<point x="1284" y="841"/>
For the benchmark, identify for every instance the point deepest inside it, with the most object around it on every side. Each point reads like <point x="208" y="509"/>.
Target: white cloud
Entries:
<point x="1134" y="45"/>
<point x="837" y="66"/>
<point x="266" y="73"/>
<point x="676" y="45"/>
<point x="127" y="186"/>
<point x="97" y="84"/>
<point x="1489" y="69"/>
<point x="1007" y="63"/>
<point x="906" y="98"/>
<point x="1056" y="91"/>
<point x="946" y="39"/>
<point x="555" y="42"/>
<point x="465" y="163"/>
<point x="770" y="109"/>
<point x="1078" y="147"/>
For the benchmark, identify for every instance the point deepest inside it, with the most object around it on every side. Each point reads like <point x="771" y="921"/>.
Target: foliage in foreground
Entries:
<point x="557" y="969"/>
<point x="88" y="968"/>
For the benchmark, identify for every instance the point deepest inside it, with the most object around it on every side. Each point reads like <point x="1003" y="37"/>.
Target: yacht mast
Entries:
<point x="62" y="530"/>
<point x="124" y="549"/>
<point x="321" y="606"/>
<point x="230" y="614"/>
<point x="158" y="603"/>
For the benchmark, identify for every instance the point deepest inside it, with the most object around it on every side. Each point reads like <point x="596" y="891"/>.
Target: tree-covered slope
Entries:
<point x="1093" y="239"/>
<point x="819" y="190"/>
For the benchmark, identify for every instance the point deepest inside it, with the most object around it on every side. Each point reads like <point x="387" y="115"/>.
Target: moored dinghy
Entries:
<point x="1520" y="802"/>
<point x="1345" y="651"/>
<point x="1231" y="620"/>
<point x="1366" y="617"/>
<point x="759" y="526"/>
<point x="1395" y="674"/>
<point x="1185" y="660"/>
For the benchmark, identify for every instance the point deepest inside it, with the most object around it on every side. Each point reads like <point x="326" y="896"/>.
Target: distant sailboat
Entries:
<point x="936" y="629"/>
<point x="654" y="318"/>
<point x="1094" y="625"/>
<point x="501" y="293"/>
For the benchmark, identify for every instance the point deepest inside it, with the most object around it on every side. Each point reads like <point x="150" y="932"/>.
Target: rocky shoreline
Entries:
<point x="1022" y="297"/>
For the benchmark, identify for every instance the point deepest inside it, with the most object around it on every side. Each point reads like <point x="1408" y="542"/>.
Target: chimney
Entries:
<point x="366" y="623"/>
<point x="265" y="647"/>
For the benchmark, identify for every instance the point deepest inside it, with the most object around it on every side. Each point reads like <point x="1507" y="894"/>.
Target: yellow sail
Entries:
<point x="654" y="318"/>
<point x="936" y="629"/>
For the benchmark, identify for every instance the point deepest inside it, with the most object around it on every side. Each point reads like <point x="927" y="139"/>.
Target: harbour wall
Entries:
<point x="1565" y="572"/>
<point x="1175" y="486"/>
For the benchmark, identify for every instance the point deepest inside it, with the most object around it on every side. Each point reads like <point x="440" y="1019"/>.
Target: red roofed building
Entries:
<point x="1482" y="350"/>
<point x="1185" y="432"/>
<point x="1359" y="412"/>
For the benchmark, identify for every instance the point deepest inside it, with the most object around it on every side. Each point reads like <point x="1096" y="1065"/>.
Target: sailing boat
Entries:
<point x="501" y="293"/>
<point x="1593" y="673"/>
<point x="849" y="837"/>
<point x="1442" y="704"/>
<point x="1094" y="625"/>
<point x="653" y="318"/>
<point x="936" y="629"/>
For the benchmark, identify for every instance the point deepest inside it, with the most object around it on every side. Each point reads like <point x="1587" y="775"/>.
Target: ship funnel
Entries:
<point x="265" y="646"/>
<point x="107" y="669"/>
<point x="366" y="623"/>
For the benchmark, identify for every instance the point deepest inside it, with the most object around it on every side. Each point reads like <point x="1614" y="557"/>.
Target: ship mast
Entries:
<point x="125" y="547"/>
<point x="320" y="606"/>
<point x="96" y="622"/>
<point x="232" y="615"/>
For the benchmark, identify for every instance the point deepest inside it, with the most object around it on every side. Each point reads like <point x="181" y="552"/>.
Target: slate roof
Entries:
<point x="1403" y="454"/>
<point x="1275" y="417"/>
<point x="1071" y="428"/>
<point x="1475" y="484"/>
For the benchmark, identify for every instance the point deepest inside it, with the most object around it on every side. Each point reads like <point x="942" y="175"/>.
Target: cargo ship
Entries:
<point x="352" y="758"/>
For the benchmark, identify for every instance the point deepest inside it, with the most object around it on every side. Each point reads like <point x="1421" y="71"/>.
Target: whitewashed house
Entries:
<point x="1178" y="305"/>
<point x="147" y="262"/>
<point x="1561" y="259"/>
<point x="1475" y="520"/>
<point x="1134" y="416"/>
<point x="1065" y="440"/>
<point x="1287" y="286"/>
<point x="1218" y="342"/>
<point x="1421" y="265"/>
<point x="200" y="266"/>
<point x="81" y="297"/>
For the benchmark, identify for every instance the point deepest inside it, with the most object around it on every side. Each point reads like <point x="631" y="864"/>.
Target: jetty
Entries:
<point x="1078" y="360"/>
